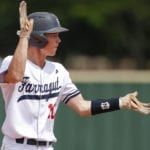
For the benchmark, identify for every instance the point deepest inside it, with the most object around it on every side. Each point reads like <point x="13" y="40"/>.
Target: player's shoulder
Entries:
<point x="57" y="65"/>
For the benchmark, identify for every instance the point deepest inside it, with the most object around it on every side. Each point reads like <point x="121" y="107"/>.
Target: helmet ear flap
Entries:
<point x="38" y="40"/>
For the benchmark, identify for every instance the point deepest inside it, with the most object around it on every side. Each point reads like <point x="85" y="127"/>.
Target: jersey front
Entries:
<point x="31" y="104"/>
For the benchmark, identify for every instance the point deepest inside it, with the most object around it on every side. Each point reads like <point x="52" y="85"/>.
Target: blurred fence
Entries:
<point x="120" y="130"/>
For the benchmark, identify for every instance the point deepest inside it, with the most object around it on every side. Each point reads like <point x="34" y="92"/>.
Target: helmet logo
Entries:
<point x="58" y="21"/>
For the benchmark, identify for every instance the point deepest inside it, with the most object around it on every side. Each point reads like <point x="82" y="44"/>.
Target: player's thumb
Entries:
<point x="31" y="22"/>
<point x="135" y="93"/>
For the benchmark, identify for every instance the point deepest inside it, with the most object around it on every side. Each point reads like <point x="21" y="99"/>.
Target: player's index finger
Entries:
<point x="23" y="9"/>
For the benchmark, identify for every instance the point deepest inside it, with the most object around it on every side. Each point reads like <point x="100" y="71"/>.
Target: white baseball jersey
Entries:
<point x="31" y="104"/>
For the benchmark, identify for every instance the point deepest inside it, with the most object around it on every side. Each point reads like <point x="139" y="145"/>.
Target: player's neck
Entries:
<point x="36" y="57"/>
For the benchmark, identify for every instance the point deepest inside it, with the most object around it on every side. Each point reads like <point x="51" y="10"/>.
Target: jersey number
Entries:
<point x="51" y="108"/>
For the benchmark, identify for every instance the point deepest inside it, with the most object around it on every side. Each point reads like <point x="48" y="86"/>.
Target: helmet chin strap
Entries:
<point x="38" y="40"/>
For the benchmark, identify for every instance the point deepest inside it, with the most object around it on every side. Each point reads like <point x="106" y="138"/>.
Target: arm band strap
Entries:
<point x="104" y="105"/>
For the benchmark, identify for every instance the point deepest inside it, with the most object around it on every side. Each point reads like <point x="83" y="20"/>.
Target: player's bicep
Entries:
<point x="79" y="105"/>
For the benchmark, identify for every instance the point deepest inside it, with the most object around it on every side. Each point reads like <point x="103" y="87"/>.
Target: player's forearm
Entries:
<point x="16" y="68"/>
<point x="85" y="108"/>
<point x="79" y="105"/>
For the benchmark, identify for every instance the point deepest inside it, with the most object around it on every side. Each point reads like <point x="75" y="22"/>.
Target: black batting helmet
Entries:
<point x="44" y="22"/>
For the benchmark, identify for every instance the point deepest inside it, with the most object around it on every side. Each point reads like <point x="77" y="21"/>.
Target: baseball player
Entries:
<point x="33" y="87"/>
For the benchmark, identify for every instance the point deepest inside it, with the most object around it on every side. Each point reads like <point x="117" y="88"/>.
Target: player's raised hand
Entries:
<point x="130" y="101"/>
<point x="26" y="25"/>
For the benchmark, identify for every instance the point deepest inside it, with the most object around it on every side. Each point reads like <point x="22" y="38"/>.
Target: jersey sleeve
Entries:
<point x="4" y="66"/>
<point x="70" y="90"/>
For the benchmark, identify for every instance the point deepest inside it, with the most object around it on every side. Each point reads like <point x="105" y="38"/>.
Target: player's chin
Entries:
<point x="52" y="54"/>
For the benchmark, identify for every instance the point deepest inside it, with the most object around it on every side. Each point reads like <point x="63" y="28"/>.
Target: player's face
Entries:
<point x="53" y="43"/>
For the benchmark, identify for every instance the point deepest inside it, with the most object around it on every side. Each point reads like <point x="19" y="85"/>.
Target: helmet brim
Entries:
<point x="57" y="30"/>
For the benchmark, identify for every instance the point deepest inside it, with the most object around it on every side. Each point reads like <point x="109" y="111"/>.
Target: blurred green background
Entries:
<point x="116" y="30"/>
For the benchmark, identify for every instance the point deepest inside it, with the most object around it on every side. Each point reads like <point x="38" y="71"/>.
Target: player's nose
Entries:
<point x="58" y="39"/>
